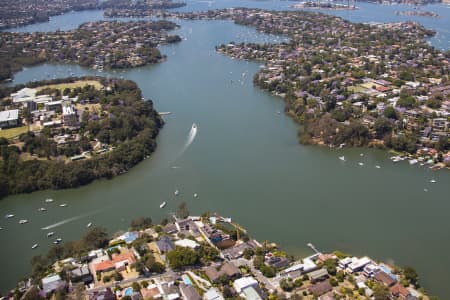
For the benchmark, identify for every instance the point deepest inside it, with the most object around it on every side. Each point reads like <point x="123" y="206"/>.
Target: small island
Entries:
<point x="99" y="45"/>
<point x="418" y="13"/>
<point x="324" y="6"/>
<point x="206" y="257"/>
<point x="24" y="12"/>
<point x="65" y="133"/>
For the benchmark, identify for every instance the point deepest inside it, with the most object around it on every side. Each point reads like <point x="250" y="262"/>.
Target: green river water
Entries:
<point x="245" y="162"/>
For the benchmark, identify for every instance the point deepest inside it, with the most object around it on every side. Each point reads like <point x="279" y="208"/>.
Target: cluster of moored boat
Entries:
<point x="43" y="209"/>
<point x="397" y="159"/>
<point x="176" y="193"/>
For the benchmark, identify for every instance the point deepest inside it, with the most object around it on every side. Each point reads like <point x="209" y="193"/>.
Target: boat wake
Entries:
<point x="69" y="220"/>
<point x="190" y="139"/>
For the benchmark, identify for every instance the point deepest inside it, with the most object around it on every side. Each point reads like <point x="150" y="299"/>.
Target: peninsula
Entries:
<point x="66" y="133"/>
<point x="24" y="12"/>
<point x="99" y="45"/>
<point x="349" y="84"/>
<point x="205" y="257"/>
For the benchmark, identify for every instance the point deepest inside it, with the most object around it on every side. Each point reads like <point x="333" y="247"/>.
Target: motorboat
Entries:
<point x="433" y="181"/>
<point x="361" y="164"/>
<point x="89" y="225"/>
<point x="195" y="195"/>
<point x="23" y="221"/>
<point x="34" y="246"/>
<point x="378" y="167"/>
<point x="57" y="241"/>
<point x="50" y="234"/>
<point x="42" y="209"/>
<point x="63" y="205"/>
<point x="162" y="204"/>
<point x="413" y="161"/>
<point x="9" y="216"/>
<point x="177" y="192"/>
<point x="194" y="126"/>
<point x="342" y="158"/>
<point x="48" y="200"/>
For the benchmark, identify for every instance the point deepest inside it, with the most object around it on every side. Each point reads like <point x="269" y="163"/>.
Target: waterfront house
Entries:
<point x="318" y="275"/>
<point x="52" y="283"/>
<point x="9" y="118"/>
<point x="384" y="278"/>
<point x="400" y="291"/>
<point x="252" y="293"/>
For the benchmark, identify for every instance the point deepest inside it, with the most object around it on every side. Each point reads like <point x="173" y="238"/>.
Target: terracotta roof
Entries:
<point x="150" y="293"/>
<point x="399" y="290"/>
<point x="110" y="264"/>
<point x="385" y="278"/>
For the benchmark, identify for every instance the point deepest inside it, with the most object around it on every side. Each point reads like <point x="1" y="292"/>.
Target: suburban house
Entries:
<point x="189" y="292"/>
<point x="9" y="118"/>
<point x="227" y="271"/>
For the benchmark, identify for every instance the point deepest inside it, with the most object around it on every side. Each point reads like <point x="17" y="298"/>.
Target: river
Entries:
<point x="244" y="162"/>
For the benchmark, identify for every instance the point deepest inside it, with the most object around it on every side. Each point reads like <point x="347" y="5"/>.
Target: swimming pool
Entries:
<point x="128" y="291"/>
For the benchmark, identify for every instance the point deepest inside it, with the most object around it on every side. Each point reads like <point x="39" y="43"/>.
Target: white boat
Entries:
<point x="377" y="166"/>
<point x="23" y="221"/>
<point x="57" y="241"/>
<point x="342" y="158"/>
<point x="42" y="209"/>
<point x="396" y="159"/>
<point x="195" y="195"/>
<point x="413" y="161"/>
<point x="433" y="181"/>
<point x="361" y="164"/>
<point x="362" y="154"/>
<point x="162" y="204"/>
<point x="177" y="192"/>
<point x="1" y="228"/>
<point x="89" y="225"/>
<point x="9" y="216"/>
<point x="425" y="190"/>
<point x="48" y="200"/>
<point x="50" y="234"/>
<point x="63" y="205"/>
<point x="34" y="246"/>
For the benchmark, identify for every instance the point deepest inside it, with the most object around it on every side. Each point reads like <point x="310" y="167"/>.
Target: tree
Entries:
<point x="267" y="271"/>
<point x="390" y="113"/>
<point x="181" y="257"/>
<point x="141" y="223"/>
<point x="286" y="284"/>
<point x="381" y="292"/>
<point x="383" y="126"/>
<point x="182" y="210"/>
<point x="96" y="238"/>
<point x="411" y="275"/>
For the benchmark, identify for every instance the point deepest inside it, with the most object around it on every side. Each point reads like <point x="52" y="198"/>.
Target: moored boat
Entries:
<point x="23" y="221"/>
<point x="342" y="158"/>
<point x="63" y="205"/>
<point x="162" y="204"/>
<point x="50" y="234"/>
<point x="34" y="246"/>
<point x="48" y="200"/>
<point x="89" y="224"/>
<point x="9" y="216"/>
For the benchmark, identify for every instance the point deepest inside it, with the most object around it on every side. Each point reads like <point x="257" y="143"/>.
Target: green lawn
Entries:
<point x="13" y="132"/>
<point x="78" y="83"/>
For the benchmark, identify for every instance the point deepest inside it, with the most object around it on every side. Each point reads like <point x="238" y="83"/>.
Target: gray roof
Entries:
<point x="165" y="244"/>
<point x="318" y="274"/>
<point x="9" y="115"/>
<point x="189" y="292"/>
